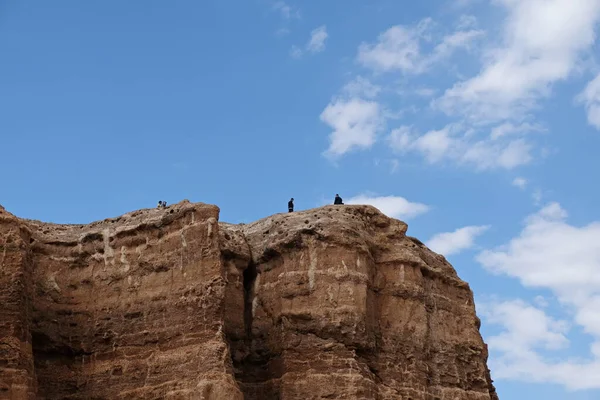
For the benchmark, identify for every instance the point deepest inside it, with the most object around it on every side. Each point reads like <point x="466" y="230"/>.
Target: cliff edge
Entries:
<point x="330" y="303"/>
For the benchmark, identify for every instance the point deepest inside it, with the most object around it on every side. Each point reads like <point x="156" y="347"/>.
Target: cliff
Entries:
<point x="330" y="303"/>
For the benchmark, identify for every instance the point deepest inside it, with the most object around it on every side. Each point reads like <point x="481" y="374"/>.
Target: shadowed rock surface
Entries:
<point x="330" y="303"/>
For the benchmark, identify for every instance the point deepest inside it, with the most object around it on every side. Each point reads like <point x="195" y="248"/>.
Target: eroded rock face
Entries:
<point x="331" y="303"/>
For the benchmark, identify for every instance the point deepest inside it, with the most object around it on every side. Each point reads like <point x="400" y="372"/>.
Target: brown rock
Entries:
<point x="332" y="303"/>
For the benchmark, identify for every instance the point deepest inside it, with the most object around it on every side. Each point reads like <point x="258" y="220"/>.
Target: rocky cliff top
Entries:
<point x="334" y="302"/>
<point x="147" y="217"/>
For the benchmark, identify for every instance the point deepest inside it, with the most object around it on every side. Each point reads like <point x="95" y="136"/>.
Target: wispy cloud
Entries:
<point x="392" y="206"/>
<point x="591" y="98"/>
<point x="552" y="254"/>
<point x="315" y="44"/>
<point x="543" y="42"/>
<point x="492" y="122"/>
<point x="425" y="92"/>
<point x="449" y="243"/>
<point x="317" y="40"/>
<point x="466" y="22"/>
<point x="355" y="123"/>
<point x="537" y="197"/>
<point x="400" y="48"/>
<point x="454" y="143"/>
<point x="508" y="128"/>
<point x="361" y="87"/>
<point x="286" y="11"/>
<point x="519" y="182"/>
<point x="295" y="52"/>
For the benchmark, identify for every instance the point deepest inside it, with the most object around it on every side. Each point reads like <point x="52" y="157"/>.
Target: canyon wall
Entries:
<point x="331" y="303"/>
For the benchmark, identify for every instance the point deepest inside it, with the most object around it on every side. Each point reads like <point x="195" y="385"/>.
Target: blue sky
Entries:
<point x="476" y="121"/>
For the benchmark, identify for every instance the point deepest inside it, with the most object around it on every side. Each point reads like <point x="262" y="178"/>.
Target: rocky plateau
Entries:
<point x="330" y="303"/>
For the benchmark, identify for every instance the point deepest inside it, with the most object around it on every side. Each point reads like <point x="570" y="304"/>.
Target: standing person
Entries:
<point x="338" y="199"/>
<point x="291" y="205"/>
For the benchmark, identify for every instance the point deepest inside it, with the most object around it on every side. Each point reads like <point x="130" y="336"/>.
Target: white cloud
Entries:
<point x="516" y="351"/>
<point x="402" y="139"/>
<point x="551" y="254"/>
<point x="519" y="182"/>
<point x="295" y="52"/>
<point x="488" y="155"/>
<point x="286" y="11"/>
<point x="509" y="128"/>
<point x="540" y="43"/>
<point x="543" y="42"/>
<point x="456" y="40"/>
<point x="537" y="197"/>
<point x="392" y="206"/>
<point x="316" y="43"/>
<point x="355" y="123"/>
<point x="400" y="48"/>
<point x="449" y="243"/>
<point x="434" y="145"/>
<point x="541" y="301"/>
<point x="526" y="327"/>
<point x="282" y="31"/>
<point x="361" y="87"/>
<point x="425" y="92"/>
<point x="397" y="48"/>
<point x="451" y="143"/>
<point x="466" y="22"/>
<point x="591" y="97"/>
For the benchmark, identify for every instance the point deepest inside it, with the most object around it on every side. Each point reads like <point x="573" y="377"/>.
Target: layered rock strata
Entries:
<point x="331" y="303"/>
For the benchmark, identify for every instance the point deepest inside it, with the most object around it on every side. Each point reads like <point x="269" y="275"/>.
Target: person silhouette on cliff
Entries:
<point x="291" y="205"/>
<point x="338" y="199"/>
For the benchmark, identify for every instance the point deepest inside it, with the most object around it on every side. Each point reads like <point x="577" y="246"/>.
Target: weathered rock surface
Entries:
<point x="331" y="303"/>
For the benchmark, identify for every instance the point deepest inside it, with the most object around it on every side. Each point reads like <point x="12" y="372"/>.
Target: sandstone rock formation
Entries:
<point x="331" y="303"/>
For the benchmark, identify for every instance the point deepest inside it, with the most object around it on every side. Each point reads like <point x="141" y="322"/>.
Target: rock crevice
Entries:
<point x="331" y="303"/>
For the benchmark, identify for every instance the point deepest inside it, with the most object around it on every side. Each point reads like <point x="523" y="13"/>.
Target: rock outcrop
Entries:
<point x="331" y="303"/>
